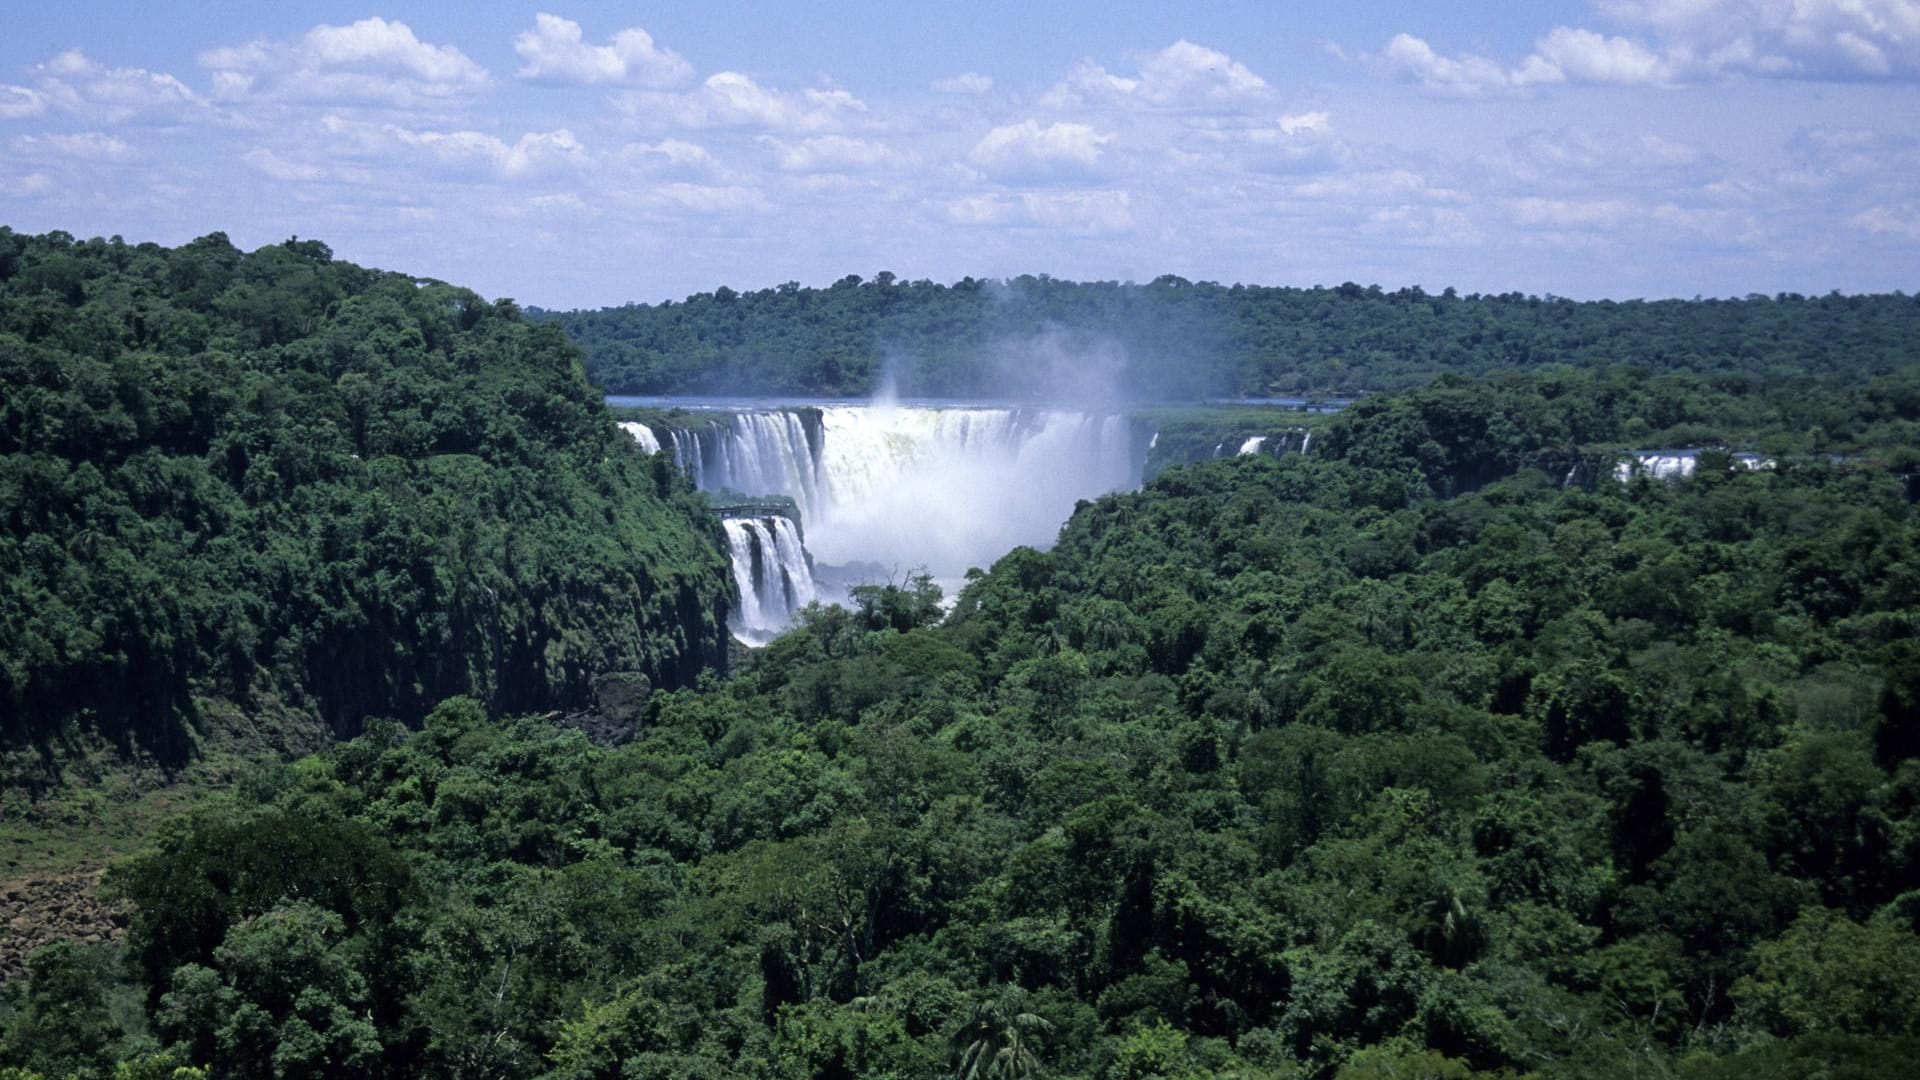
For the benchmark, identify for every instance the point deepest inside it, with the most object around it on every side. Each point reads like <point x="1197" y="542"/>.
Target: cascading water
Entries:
<point x="643" y="435"/>
<point x="899" y="487"/>
<point x="771" y="570"/>
<point x="886" y="489"/>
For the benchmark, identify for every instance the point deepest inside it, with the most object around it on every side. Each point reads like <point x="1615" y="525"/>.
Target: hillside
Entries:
<point x="254" y="499"/>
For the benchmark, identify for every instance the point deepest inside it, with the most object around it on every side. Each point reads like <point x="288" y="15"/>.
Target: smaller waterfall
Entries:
<point x="772" y="573"/>
<point x="1677" y="464"/>
<point x="643" y="435"/>
<point x="1306" y="441"/>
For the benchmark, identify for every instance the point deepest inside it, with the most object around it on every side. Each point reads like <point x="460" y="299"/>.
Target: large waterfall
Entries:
<point x="771" y="570"/>
<point x="893" y="488"/>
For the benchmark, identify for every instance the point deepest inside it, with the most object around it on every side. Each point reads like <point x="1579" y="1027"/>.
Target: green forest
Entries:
<point x="1172" y="339"/>
<point x="268" y="495"/>
<point x="1433" y="753"/>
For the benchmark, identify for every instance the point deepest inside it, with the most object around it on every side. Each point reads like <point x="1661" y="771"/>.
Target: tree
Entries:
<point x="1000" y="1041"/>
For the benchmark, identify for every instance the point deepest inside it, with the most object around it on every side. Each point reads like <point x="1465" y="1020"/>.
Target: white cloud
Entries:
<point x="1903" y="223"/>
<point x="1026" y="144"/>
<point x="1691" y="41"/>
<point x="74" y="82"/>
<point x="84" y="146"/>
<point x="272" y="165"/>
<point x="1181" y="76"/>
<point x="731" y="99"/>
<point x="1582" y="56"/>
<point x="1801" y="38"/>
<point x="18" y="102"/>
<point x="670" y="155"/>
<point x="555" y="50"/>
<point x="835" y="153"/>
<point x="532" y="153"/>
<point x="1306" y="123"/>
<point x="971" y="82"/>
<point x="1390" y="184"/>
<point x="371" y="60"/>
<point x="1412" y="58"/>
<point x="32" y="184"/>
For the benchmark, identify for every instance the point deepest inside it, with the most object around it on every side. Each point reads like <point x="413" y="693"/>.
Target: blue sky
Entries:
<point x="598" y="153"/>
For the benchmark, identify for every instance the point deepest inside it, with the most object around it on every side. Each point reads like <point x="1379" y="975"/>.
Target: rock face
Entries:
<point x="621" y="696"/>
<point x="40" y="910"/>
<point x="619" y="706"/>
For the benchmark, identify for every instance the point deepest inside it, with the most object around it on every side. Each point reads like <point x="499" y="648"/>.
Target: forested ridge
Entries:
<point x="278" y="493"/>
<point x="1399" y="759"/>
<point x="1173" y="339"/>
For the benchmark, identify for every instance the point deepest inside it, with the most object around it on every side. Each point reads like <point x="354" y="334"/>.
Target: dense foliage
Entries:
<point x="1174" y="339"/>
<point x="1401" y="759"/>
<point x="290" y="492"/>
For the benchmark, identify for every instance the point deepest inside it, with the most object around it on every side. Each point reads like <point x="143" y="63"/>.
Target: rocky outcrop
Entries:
<point x="38" y="910"/>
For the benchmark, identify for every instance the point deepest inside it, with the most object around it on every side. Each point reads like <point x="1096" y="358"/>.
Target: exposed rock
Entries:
<point x="621" y="696"/>
<point x="46" y="908"/>
<point x="620" y="705"/>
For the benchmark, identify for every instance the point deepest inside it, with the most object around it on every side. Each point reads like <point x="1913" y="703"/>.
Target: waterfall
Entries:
<point x="796" y="576"/>
<point x="1677" y="464"/>
<point x="1306" y="441"/>
<point x="643" y="435"/>
<point x="1252" y="445"/>
<point x="899" y="487"/>
<point x="771" y="571"/>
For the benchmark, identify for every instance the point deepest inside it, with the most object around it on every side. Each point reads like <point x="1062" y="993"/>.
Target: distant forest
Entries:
<point x="1173" y="339"/>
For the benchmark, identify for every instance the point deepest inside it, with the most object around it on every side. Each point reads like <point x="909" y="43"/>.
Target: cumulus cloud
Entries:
<point x="1564" y="55"/>
<point x="371" y="60"/>
<point x="83" y="146"/>
<point x="533" y="152"/>
<point x="556" y="50"/>
<point x="76" y="83"/>
<point x="1568" y="54"/>
<point x="1027" y="146"/>
<point x="971" y="82"/>
<point x="729" y="99"/>
<point x="1805" y="38"/>
<point x="1689" y="41"/>
<point x="1181" y="76"/>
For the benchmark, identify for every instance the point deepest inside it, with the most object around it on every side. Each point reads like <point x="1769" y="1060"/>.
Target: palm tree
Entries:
<point x="997" y="1042"/>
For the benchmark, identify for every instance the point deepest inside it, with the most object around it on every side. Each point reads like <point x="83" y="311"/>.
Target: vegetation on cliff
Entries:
<point x="282" y="493"/>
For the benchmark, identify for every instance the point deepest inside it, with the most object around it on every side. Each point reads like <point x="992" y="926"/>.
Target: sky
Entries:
<point x="602" y="153"/>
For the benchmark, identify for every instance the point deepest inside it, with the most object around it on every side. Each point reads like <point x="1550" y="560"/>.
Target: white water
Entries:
<point x="643" y="435"/>
<point x="1252" y="445"/>
<point x="910" y="486"/>
<point x="1673" y="464"/>
<point x="770" y="569"/>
